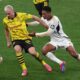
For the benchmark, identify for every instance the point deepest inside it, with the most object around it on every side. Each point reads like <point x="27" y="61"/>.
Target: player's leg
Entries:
<point x="19" y="55"/>
<point x="47" y="50"/>
<point x="20" y="58"/>
<point x="73" y="52"/>
<point x="39" y="8"/>
<point x="70" y="48"/>
<point x="33" y="52"/>
<point x="46" y="3"/>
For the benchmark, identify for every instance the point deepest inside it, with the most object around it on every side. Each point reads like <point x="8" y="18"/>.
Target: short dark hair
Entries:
<point x="46" y="8"/>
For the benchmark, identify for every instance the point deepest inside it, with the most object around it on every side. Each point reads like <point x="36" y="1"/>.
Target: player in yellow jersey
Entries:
<point x="15" y="26"/>
<point x="39" y="4"/>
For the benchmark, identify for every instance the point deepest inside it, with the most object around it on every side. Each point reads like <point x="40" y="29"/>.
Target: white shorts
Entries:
<point x="61" y="43"/>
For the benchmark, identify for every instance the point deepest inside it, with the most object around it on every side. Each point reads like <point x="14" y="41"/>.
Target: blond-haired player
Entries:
<point x="15" y="26"/>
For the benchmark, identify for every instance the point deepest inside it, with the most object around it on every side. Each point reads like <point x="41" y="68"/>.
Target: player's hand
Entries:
<point x="32" y="34"/>
<point x="8" y="44"/>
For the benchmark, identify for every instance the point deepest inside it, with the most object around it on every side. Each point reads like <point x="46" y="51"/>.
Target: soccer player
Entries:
<point x="39" y="4"/>
<point x="58" y="38"/>
<point x="15" y="26"/>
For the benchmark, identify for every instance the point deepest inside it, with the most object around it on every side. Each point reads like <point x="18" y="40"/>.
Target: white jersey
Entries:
<point x="56" y="33"/>
<point x="56" y="26"/>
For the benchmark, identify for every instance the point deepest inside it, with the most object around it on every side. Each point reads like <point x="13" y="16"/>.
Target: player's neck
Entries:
<point x="50" y="17"/>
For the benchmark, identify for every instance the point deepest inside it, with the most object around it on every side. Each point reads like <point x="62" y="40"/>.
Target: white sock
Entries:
<point x="52" y="57"/>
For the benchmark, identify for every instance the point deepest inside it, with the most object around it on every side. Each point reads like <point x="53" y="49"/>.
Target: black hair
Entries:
<point x="46" y="8"/>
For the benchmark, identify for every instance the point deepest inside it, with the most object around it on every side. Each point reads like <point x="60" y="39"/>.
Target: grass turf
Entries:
<point x="68" y="12"/>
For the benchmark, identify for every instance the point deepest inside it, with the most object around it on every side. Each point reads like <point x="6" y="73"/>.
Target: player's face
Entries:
<point x="45" y="14"/>
<point x="10" y="13"/>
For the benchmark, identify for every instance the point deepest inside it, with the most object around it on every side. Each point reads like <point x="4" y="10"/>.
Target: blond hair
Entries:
<point x="8" y="7"/>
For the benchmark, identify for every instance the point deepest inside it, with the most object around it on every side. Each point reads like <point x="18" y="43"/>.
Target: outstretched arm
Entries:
<point x="46" y="33"/>
<point x="32" y="23"/>
<point x="42" y="34"/>
<point x="40" y="21"/>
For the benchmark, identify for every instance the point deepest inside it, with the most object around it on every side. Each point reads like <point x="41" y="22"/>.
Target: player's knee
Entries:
<point x="73" y="52"/>
<point x="44" y="51"/>
<point x="32" y="51"/>
<point x="17" y="49"/>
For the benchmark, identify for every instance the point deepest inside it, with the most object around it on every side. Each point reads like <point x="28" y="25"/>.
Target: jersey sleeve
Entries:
<point x="27" y="16"/>
<point x="4" y="23"/>
<point x="46" y="33"/>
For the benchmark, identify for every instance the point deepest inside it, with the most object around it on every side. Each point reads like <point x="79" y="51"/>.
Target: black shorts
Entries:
<point x="25" y="44"/>
<point x="40" y="6"/>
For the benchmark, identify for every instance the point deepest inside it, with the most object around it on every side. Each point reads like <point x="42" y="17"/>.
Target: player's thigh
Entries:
<point x="48" y="47"/>
<point x="28" y="46"/>
<point x="32" y="50"/>
<point x="71" y="50"/>
<point x="66" y="43"/>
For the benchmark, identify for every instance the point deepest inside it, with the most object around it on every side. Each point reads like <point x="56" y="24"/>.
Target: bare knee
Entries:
<point x="48" y="48"/>
<point x="32" y="51"/>
<point x="17" y="49"/>
<point x="44" y="51"/>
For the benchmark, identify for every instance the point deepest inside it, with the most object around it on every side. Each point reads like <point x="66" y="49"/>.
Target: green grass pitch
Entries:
<point x="69" y="13"/>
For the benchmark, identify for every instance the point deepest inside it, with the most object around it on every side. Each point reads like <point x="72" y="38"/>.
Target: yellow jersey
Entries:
<point x="38" y="1"/>
<point x="17" y="26"/>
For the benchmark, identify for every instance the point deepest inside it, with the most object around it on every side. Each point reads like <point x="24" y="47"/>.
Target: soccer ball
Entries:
<point x="1" y="59"/>
<point x="78" y="56"/>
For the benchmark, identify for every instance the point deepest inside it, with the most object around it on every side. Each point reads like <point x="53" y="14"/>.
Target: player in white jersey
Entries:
<point x="58" y="38"/>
